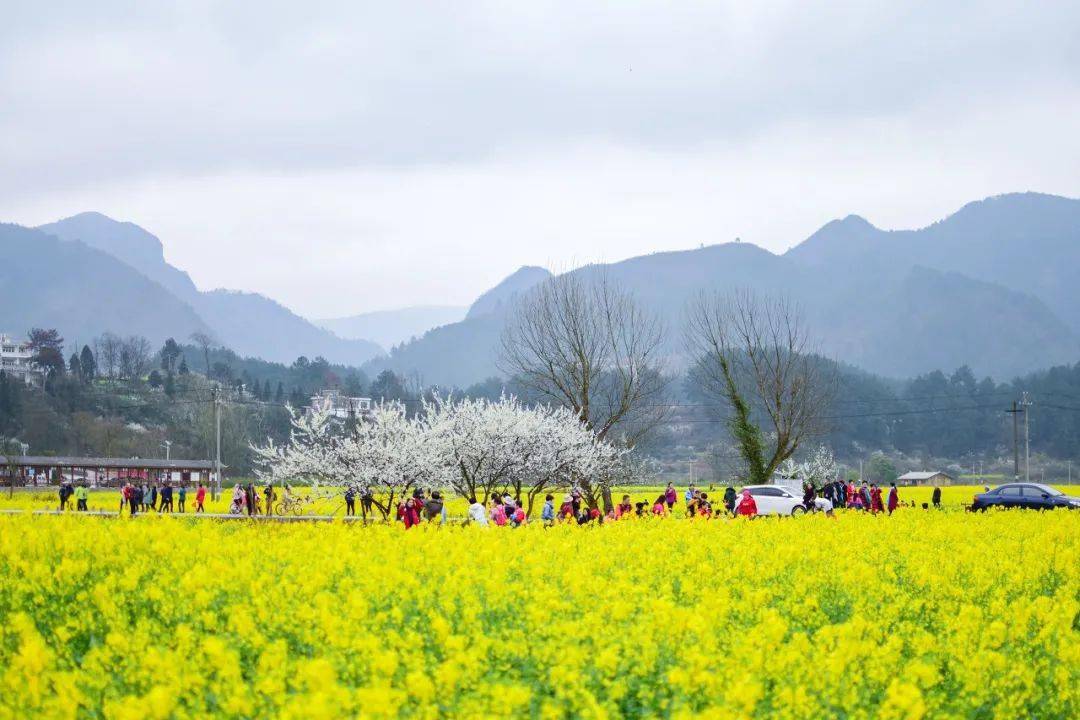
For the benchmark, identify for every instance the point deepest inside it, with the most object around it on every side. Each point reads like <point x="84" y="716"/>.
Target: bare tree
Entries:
<point x="583" y="343"/>
<point x="107" y="349"/>
<point x="135" y="353"/>
<point x="753" y="354"/>
<point x="205" y="342"/>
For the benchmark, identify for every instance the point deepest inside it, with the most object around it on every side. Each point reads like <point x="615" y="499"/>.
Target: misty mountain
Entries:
<point x="248" y="323"/>
<point x="391" y="327"/>
<point x="82" y="292"/>
<point x="461" y="353"/>
<point x="1029" y="242"/>
<point x="896" y="303"/>
<point x="496" y="300"/>
<point x="454" y="355"/>
<point x="128" y="242"/>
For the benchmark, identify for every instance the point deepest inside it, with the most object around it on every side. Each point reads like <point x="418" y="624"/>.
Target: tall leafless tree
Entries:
<point x="107" y="349"/>
<point x="754" y="355"/>
<point x="205" y="342"/>
<point x="134" y="357"/>
<point x="580" y="341"/>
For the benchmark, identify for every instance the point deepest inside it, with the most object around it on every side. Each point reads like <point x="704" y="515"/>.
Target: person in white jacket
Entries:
<point x="477" y="512"/>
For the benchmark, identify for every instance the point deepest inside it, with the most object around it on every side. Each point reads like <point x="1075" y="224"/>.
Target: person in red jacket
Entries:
<point x="125" y="495"/>
<point x="409" y="514"/>
<point x="200" y="498"/>
<point x="876" y="505"/>
<point x="747" y="506"/>
<point x="566" y="510"/>
<point x="894" y="498"/>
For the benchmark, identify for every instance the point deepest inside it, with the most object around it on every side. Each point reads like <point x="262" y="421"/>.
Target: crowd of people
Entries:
<point x="502" y="509"/>
<point x="137" y="497"/>
<point x="159" y="497"/>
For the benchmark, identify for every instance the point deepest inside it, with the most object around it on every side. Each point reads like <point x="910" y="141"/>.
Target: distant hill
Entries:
<point x="988" y="287"/>
<point x="82" y="292"/>
<point x="461" y="353"/>
<point x="248" y="323"/>
<point x="1029" y="242"/>
<point x="497" y="299"/>
<point x="391" y="327"/>
<point x="454" y="355"/>
<point x="127" y="242"/>
<point x="991" y="286"/>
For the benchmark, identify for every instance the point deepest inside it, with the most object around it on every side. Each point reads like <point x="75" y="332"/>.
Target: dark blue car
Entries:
<point x="1033" y="496"/>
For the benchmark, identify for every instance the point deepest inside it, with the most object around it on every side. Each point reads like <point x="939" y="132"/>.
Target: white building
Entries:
<point x="15" y="359"/>
<point x="340" y="406"/>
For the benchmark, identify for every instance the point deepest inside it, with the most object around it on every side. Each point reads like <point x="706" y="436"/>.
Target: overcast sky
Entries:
<point x="345" y="157"/>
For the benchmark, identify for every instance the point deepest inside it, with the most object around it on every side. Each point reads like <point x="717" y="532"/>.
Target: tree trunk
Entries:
<point x="609" y="505"/>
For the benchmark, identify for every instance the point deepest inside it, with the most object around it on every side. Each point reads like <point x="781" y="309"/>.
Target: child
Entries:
<point x="548" y="512"/>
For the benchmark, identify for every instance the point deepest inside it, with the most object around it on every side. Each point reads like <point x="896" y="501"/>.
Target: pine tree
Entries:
<point x="279" y="396"/>
<point x="75" y="366"/>
<point x="183" y="370"/>
<point x="88" y="364"/>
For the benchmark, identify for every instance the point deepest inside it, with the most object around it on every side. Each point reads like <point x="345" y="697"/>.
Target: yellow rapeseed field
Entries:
<point x="923" y="614"/>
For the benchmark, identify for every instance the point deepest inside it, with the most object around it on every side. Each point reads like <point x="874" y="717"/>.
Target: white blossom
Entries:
<point x="471" y="447"/>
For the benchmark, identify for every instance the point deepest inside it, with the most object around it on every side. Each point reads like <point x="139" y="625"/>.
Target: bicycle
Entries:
<point x="299" y="504"/>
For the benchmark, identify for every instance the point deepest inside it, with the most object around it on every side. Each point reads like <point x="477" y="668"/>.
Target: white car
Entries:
<point x="820" y="503"/>
<point x="774" y="500"/>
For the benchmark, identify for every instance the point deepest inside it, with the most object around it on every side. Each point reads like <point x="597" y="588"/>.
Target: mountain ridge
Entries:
<point x="853" y="279"/>
<point x="969" y="288"/>
<point x="248" y="323"/>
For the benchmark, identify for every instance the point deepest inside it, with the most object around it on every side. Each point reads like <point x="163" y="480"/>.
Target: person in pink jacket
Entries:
<point x="498" y="513"/>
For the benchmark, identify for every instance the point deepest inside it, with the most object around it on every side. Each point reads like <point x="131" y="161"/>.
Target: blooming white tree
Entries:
<point x="819" y="468"/>
<point x="307" y="456"/>
<point x="472" y="447"/>
<point x="386" y="453"/>
<point x="391" y="455"/>
<point x="508" y="447"/>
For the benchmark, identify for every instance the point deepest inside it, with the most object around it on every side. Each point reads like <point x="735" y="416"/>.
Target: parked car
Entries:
<point x="1033" y="496"/>
<point x="775" y="500"/>
<point x="795" y="488"/>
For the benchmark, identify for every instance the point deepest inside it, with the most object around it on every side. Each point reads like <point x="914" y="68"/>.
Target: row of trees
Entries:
<point x="473" y="447"/>
<point x="111" y="356"/>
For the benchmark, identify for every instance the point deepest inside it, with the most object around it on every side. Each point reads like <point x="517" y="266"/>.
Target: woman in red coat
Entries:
<point x="747" y="506"/>
<point x="409" y="514"/>
<point x="894" y="498"/>
<point x="875" y="499"/>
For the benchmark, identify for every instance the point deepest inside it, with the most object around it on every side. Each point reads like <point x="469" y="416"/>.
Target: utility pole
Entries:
<point x="1016" y="441"/>
<point x="167" y="444"/>
<point x="1027" y="437"/>
<point x="691" y="471"/>
<point x="217" y="452"/>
